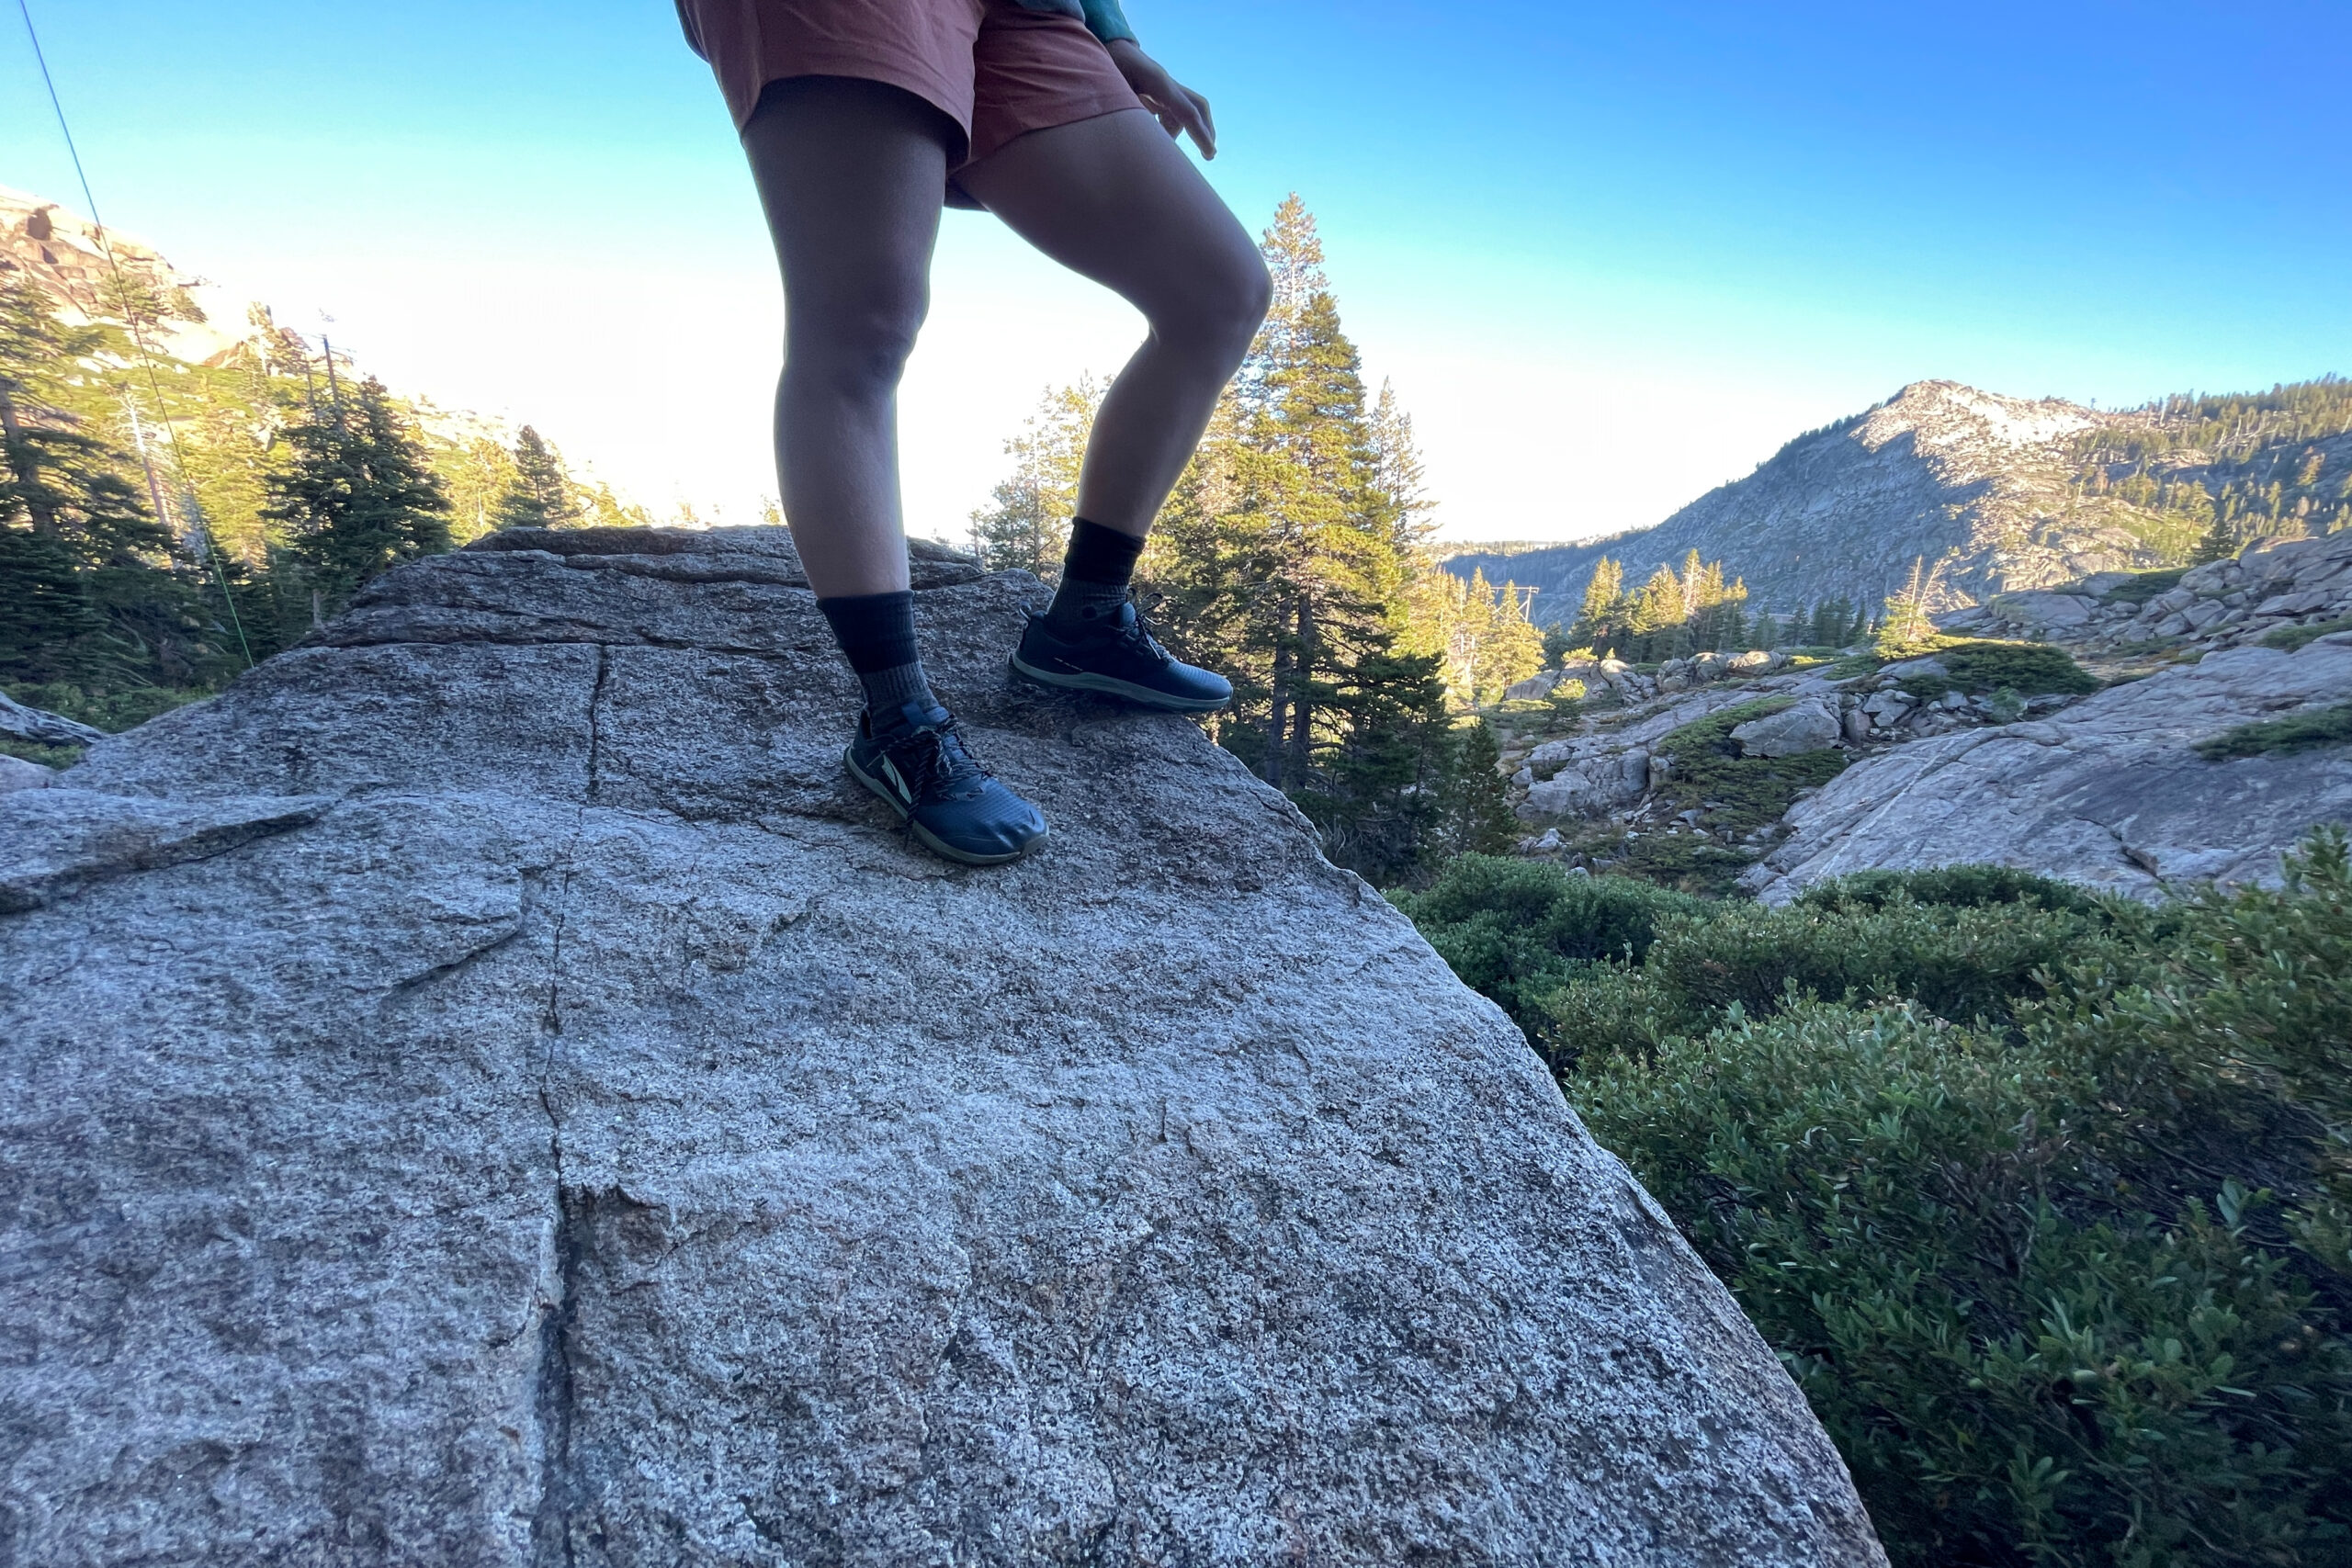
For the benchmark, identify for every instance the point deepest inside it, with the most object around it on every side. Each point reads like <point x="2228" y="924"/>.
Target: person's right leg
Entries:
<point x="851" y="173"/>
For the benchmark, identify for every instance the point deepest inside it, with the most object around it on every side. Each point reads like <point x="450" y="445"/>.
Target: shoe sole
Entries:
<point x="931" y="841"/>
<point x="1112" y="686"/>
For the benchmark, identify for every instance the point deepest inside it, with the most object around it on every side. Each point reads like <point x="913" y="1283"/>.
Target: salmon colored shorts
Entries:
<point x="994" y="67"/>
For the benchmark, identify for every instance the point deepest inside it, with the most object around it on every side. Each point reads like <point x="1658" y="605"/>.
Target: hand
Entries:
<point x="1178" y="106"/>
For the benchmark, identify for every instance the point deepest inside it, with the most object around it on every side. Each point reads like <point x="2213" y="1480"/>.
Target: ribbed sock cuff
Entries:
<point x="1100" y="555"/>
<point x="1095" y="571"/>
<point x="876" y="632"/>
<point x="887" y="690"/>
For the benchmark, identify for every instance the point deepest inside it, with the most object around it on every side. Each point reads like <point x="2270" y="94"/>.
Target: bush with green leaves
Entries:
<point x="2296" y="732"/>
<point x="1515" y="930"/>
<point x="2032" y="669"/>
<point x="2044" y="1198"/>
<point x="2289" y="639"/>
<point x="2142" y="586"/>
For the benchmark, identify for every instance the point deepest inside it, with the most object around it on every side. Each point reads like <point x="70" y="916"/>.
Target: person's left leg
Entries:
<point x="1112" y="198"/>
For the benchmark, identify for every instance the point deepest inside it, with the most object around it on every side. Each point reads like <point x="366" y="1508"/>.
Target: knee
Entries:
<point x="856" y="345"/>
<point x="1219" y="310"/>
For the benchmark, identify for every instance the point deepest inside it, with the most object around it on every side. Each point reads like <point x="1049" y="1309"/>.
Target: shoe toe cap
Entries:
<point x="997" y="821"/>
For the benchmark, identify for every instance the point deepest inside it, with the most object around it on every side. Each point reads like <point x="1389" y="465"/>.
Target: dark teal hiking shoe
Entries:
<point x="1119" y="658"/>
<point x="939" y="789"/>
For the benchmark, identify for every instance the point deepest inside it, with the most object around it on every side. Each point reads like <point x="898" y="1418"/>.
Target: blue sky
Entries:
<point x="1611" y="256"/>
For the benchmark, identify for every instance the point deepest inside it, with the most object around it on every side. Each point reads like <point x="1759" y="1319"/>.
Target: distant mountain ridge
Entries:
<point x="1994" y="494"/>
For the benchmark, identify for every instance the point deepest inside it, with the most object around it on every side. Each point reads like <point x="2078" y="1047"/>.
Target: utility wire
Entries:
<point x="138" y="336"/>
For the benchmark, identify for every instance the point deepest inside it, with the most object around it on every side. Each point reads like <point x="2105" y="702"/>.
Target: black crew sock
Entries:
<point x="1095" y="571"/>
<point x="876" y="632"/>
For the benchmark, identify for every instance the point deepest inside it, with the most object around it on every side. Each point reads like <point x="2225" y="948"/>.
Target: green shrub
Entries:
<point x="2292" y="638"/>
<point x="1962" y="963"/>
<point x="1964" y="886"/>
<point x="2030" y="668"/>
<point x="1516" y="929"/>
<point x="2044" y="1198"/>
<point x="47" y="756"/>
<point x="2017" y="1367"/>
<point x="2296" y="732"/>
<point x="2145" y="586"/>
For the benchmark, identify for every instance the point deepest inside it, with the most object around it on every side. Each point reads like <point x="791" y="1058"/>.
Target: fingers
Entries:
<point x="1176" y="106"/>
<point x="1204" y="127"/>
<point x="1179" y="109"/>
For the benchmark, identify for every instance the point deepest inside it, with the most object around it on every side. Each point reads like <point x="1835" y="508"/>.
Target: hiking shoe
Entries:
<point x="1118" y="656"/>
<point x="939" y="789"/>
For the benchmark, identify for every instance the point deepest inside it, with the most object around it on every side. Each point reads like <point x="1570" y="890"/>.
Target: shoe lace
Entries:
<point x="1137" y="631"/>
<point x="934" y="760"/>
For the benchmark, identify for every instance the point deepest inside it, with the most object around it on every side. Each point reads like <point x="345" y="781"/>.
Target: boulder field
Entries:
<point x="486" y="1089"/>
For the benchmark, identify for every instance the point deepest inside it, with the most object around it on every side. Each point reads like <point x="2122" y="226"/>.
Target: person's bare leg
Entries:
<point x="851" y="174"/>
<point x="1114" y="199"/>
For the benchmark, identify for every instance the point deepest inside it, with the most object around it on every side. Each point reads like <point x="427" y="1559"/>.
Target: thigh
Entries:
<point x="1114" y="199"/>
<point x="849" y="173"/>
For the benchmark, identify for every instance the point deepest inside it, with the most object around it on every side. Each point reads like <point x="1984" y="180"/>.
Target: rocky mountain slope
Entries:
<point x="487" y="1089"/>
<point x="1918" y="764"/>
<point x="91" y="276"/>
<point x="1995" y="494"/>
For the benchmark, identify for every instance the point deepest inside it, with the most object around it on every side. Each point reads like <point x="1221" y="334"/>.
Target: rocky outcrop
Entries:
<point x="1810" y="725"/>
<point x="486" y="1089"/>
<point x="42" y="727"/>
<point x="2108" y="791"/>
<point x="2224" y="604"/>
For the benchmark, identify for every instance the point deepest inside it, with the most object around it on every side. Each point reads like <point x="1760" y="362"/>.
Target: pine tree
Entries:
<point x="1600" y="615"/>
<point x="2220" y="543"/>
<point x="1511" y="649"/>
<point x="1399" y="479"/>
<point x="1026" y="522"/>
<point x="357" y="495"/>
<point x="1279" y="553"/>
<point x="97" y="593"/>
<point x="539" y="495"/>
<point x="1904" y="627"/>
<point x="1654" y="614"/>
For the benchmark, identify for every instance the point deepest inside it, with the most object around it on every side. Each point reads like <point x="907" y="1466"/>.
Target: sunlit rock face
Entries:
<point x="2111" y="791"/>
<point x="487" y="1089"/>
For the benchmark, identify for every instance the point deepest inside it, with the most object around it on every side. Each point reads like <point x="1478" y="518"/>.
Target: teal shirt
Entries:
<point x="1103" y="18"/>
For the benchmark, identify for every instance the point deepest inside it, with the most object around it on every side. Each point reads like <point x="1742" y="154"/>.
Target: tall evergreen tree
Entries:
<point x="1651" y="615"/>
<point x="2220" y="543"/>
<point x="539" y="495"/>
<point x="96" y="591"/>
<point x="358" y="494"/>
<point x="1399" y="480"/>
<point x="1601" y="613"/>
<point x="1904" y="627"/>
<point x="1280" y="557"/>
<point x="1027" y="518"/>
